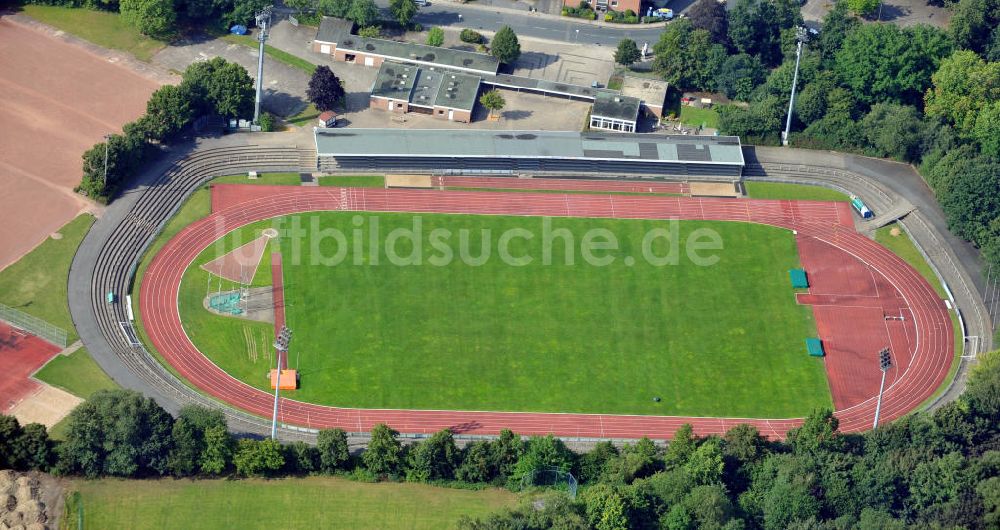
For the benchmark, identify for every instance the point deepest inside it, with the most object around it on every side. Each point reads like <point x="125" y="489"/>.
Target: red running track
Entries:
<point x="21" y="355"/>
<point x="930" y="357"/>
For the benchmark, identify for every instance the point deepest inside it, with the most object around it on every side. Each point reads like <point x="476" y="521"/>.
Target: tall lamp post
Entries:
<point x="884" y="363"/>
<point x="280" y="346"/>
<point x="107" y="144"/>
<point x="800" y="36"/>
<point x="263" y="23"/>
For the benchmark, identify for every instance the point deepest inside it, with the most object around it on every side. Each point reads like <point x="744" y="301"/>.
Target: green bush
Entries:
<point x="471" y="36"/>
<point x="371" y="32"/>
<point x="266" y="122"/>
<point x="435" y="37"/>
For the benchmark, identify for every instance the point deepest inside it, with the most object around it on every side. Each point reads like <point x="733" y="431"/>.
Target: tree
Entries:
<point x="755" y="29"/>
<point x="894" y="131"/>
<point x="220" y="86"/>
<point x="301" y="6"/>
<point x="187" y="448"/>
<point x="836" y="25"/>
<point x="817" y="433"/>
<point x="435" y="37"/>
<point x="403" y="11"/>
<point x="24" y="448"/>
<point x="477" y="463"/>
<point x="168" y="111"/>
<point x="973" y="24"/>
<point x="118" y="433"/>
<point x="325" y="89"/>
<point x="744" y="443"/>
<point x="258" y="457"/>
<point x="962" y="87"/>
<point x="862" y="8"/>
<point x="363" y="12"/>
<point x="983" y="389"/>
<point x="370" y="32"/>
<point x="151" y="17"/>
<point x="433" y="459"/>
<point x="710" y="15"/>
<point x="507" y="450"/>
<point x="384" y="454"/>
<point x="627" y="52"/>
<point x="705" y="465"/>
<point x="334" y="8"/>
<point x="882" y="63"/>
<point x="333" y="450"/>
<point x="543" y="452"/>
<point x="987" y="130"/>
<point x="471" y="36"/>
<point x="965" y="185"/>
<point x="243" y="11"/>
<point x="505" y="46"/>
<point x="592" y="464"/>
<point x="605" y="509"/>
<point x="493" y="101"/>
<point x="301" y="458"/>
<point x="218" y="451"/>
<point x="680" y="447"/>
<point x="683" y="56"/>
<point x="739" y="75"/>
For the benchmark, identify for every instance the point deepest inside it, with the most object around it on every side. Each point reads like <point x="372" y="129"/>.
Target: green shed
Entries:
<point x="815" y="347"/>
<point x="799" y="279"/>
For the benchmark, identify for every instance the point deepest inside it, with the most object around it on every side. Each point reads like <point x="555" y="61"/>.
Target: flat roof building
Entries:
<point x="334" y="38"/>
<point x="614" y="112"/>
<point x="459" y="151"/>
<point x="445" y="94"/>
<point x="652" y="92"/>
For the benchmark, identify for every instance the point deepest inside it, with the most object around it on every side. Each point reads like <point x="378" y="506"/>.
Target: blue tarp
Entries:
<point x="238" y="29"/>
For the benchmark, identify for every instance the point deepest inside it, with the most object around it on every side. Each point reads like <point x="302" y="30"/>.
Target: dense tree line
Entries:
<point x="917" y="94"/>
<point x="930" y="470"/>
<point x="213" y="87"/>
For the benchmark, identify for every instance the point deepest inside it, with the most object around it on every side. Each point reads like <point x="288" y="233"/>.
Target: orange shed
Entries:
<point x="289" y="379"/>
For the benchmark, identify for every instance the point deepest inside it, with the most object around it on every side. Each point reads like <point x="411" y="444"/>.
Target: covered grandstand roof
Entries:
<point x="721" y="150"/>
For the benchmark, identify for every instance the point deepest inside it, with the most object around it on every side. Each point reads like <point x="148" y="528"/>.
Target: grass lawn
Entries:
<point x="276" y="54"/>
<point x="361" y="181"/>
<point x="102" y="28"/>
<point x="36" y="284"/>
<point x="794" y="192"/>
<point x="313" y="502"/>
<point x="76" y="373"/>
<point x="309" y="115"/>
<point x="713" y="340"/>
<point x="694" y="117"/>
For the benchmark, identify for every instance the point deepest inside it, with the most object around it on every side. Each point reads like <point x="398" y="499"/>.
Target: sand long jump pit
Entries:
<point x="59" y="99"/>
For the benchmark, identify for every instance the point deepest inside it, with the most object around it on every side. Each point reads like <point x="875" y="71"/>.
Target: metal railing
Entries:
<point x="33" y="325"/>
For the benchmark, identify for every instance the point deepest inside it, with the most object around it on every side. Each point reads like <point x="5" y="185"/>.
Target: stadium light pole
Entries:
<point x="800" y="35"/>
<point x="884" y="363"/>
<point x="263" y="21"/>
<point x="281" y="346"/>
<point x="107" y="142"/>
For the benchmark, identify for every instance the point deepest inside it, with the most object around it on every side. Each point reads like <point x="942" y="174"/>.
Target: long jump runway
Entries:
<point x="922" y="343"/>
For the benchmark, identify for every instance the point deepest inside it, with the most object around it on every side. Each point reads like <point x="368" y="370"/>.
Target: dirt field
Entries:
<point x="59" y="99"/>
<point x="48" y="406"/>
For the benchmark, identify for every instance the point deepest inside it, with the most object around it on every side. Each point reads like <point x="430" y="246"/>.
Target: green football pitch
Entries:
<point x="725" y="339"/>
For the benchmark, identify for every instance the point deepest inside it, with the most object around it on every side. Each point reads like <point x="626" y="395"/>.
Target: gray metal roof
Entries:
<point x="616" y="107"/>
<point x="334" y="30"/>
<point x="426" y="86"/>
<point x="541" y="85"/>
<point x="528" y="144"/>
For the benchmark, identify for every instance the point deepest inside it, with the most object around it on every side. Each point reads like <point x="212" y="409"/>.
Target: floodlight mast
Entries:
<point x="800" y="35"/>
<point x="884" y="363"/>
<point x="263" y="24"/>
<point x="280" y="346"/>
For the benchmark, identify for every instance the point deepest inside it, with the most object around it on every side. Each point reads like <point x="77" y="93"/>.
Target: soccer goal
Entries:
<point x="552" y="477"/>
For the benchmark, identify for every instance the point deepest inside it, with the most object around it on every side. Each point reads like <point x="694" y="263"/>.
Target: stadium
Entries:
<point x="625" y="348"/>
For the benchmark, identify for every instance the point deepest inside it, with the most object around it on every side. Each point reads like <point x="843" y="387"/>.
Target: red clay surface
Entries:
<point x="20" y="355"/>
<point x="58" y="101"/>
<point x="239" y="264"/>
<point x="921" y="369"/>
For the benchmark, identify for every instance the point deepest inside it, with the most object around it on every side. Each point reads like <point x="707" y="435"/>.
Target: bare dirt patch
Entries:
<point x="30" y="500"/>
<point x="59" y="99"/>
<point x="48" y="406"/>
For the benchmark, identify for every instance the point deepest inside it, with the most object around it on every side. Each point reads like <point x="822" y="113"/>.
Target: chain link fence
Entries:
<point x="33" y="325"/>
